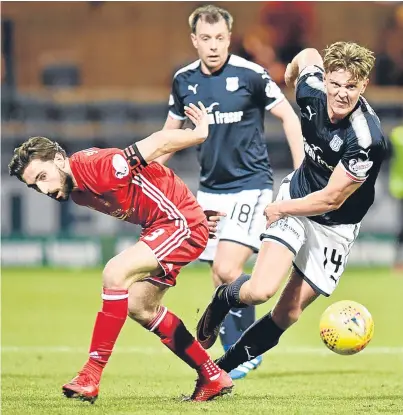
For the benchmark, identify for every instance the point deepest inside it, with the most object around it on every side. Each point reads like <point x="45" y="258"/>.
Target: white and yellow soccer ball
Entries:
<point x="346" y="327"/>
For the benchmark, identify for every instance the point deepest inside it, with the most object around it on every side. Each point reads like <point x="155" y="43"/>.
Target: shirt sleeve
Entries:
<point x="310" y="83"/>
<point x="175" y="103"/>
<point x="358" y="162"/>
<point x="104" y="170"/>
<point x="265" y="90"/>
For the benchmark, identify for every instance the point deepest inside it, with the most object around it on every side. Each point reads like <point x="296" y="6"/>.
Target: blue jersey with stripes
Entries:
<point x="234" y="156"/>
<point x="356" y="143"/>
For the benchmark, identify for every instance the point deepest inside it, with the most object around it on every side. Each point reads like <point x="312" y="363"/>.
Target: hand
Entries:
<point x="199" y="118"/>
<point x="213" y="217"/>
<point x="272" y="213"/>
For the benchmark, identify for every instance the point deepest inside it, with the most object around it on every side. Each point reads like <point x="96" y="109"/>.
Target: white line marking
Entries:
<point x="159" y="350"/>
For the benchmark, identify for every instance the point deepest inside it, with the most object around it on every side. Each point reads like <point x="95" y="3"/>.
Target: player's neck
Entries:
<point x="69" y="171"/>
<point x="334" y="118"/>
<point x="211" y="71"/>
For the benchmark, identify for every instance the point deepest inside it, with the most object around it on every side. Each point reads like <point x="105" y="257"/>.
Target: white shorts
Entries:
<point x="321" y="252"/>
<point x="245" y="219"/>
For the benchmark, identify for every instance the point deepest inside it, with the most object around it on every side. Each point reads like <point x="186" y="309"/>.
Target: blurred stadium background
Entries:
<point x="99" y="73"/>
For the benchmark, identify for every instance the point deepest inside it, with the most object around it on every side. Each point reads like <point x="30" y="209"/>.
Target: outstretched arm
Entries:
<point x="170" y="124"/>
<point x="339" y="188"/>
<point x="168" y="141"/>
<point x="307" y="57"/>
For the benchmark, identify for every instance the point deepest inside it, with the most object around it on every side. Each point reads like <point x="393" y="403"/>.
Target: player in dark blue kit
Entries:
<point x="316" y="218"/>
<point x="236" y="176"/>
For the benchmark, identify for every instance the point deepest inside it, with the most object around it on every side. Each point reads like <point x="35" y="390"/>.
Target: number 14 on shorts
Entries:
<point x="333" y="261"/>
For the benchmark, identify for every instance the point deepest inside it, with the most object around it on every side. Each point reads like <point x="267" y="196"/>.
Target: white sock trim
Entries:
<point x="114" y="297"/>
<point x="157" y="323"/>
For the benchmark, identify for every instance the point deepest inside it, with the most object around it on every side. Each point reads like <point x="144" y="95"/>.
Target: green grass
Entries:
<point x="46" y="310"/>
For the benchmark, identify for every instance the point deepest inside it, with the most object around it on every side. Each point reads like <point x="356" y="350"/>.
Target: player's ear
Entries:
<point x="193" y="37"/>
<point x="324" y="80"/>
<point x="59" y="160"/>
<point x="364" y="86"/>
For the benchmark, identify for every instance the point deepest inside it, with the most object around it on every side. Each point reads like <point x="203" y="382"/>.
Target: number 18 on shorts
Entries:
<point x="245" y="219"/>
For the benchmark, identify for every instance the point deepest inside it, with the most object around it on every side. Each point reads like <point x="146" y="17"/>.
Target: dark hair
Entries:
<point x="40" y="148"/>
<point x="210" y="14"/>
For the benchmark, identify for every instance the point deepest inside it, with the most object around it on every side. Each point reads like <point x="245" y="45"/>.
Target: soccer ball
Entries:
<point x="346" y="327"/>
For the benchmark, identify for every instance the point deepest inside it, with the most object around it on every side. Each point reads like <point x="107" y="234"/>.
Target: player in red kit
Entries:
<point x="127" y="185"/>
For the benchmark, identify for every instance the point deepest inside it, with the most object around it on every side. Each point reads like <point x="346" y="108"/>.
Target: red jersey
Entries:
<point x="154" y="195"/>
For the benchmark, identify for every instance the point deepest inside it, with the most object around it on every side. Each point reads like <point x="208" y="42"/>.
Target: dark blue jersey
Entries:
<point x="357" y="143"/>
<point x="234" y="156"/>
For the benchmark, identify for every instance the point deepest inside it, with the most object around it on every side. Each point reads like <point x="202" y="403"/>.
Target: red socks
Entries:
<point x="107" y="327"/>
<point x="168" y="327"/>
<point x="173" y="333"/>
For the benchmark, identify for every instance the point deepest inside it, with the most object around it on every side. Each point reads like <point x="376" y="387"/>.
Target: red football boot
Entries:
<point x="209" y="388"/>
<point x="83" y="387"/>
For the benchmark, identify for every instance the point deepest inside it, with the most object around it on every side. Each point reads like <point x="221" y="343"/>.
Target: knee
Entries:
<point x="112" y="276"/>
<point x="118" y="276"/>
<point x="226" y="272"/>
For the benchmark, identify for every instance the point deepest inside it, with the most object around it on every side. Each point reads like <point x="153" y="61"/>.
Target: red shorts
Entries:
<point x="175" y="245"/>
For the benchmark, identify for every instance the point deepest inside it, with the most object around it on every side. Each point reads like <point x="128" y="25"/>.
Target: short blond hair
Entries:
<point x="351" y="57"/>
<point x="210" y="14"/>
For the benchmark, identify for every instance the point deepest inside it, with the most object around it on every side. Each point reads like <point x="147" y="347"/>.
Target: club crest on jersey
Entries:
<point x="232" y="83"/>
<point x="336" y="143"/>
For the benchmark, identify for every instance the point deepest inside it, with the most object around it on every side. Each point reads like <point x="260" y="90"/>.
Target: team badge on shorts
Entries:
<point x="336" y="143"/>
<point x="281" y="223"/>
<point x="232" y="83"/>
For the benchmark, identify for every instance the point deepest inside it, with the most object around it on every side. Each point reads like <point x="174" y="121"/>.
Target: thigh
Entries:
<point x="174" y="246"/>
<point x="133" y="264"/>
<point x="322" y="259"/>
<point x="272" y="265"/>
<point x="229" y="261"/>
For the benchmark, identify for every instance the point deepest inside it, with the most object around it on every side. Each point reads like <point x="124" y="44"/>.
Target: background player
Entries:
<point x="316" y="218"/>
<point x="122" y="184"/>
<point x="236" y="176"/>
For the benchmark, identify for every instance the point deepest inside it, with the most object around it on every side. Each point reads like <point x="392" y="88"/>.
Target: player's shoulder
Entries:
<point x="96" y="161"/>
<point x="365" y="127"/>
<point x="100" y="170"/>
<point x="94" y="155"/>
<point x="245" y="65"/>
<point x="310" y="83"/>
<point x="187" y="70"/>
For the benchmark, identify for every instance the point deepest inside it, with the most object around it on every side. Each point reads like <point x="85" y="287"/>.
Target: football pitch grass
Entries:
<point x="48" y="315"/>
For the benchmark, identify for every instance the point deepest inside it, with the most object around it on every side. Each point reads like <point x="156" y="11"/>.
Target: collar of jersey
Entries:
<point x="76" y="175"/>
<point x="216" y="73"/>
<point x="344" y="121"/>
